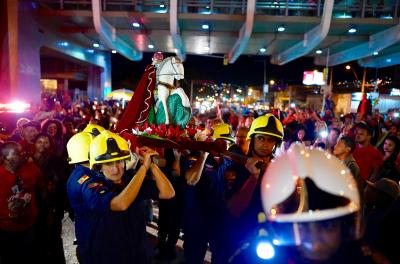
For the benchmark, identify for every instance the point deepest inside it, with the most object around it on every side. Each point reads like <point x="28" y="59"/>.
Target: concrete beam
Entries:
<point x="108" y="34"/>
<point x="381" y="61"/>
<point x="311" y="39"/>
<point x="377" y="42"/>
<point x="175" y="31"/>
<point x="244" y="33"/>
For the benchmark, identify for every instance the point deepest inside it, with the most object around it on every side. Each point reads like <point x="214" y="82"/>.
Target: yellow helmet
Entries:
<point x="223" y="131"/>
<point x="93" y="129"/>
<point x="108" y="147"/>
<point x="267" y="125"/>
<point x="78" y="148"/>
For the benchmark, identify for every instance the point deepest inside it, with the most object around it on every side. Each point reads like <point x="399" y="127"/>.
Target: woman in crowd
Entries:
<point x="55" y="129"/>
<point x="391" y="164"/>
<point x="51" y="202"/>
<point x="298" y="136"/>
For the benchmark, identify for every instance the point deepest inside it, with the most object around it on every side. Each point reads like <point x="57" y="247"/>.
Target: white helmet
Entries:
<point x="307" y="185"/>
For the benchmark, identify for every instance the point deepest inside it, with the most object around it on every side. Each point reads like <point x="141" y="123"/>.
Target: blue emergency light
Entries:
<point x="265" y="249"/>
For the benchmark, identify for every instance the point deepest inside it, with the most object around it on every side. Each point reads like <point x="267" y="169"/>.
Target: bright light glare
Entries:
<point x="352" y="30"/>
<point x="135" y="24"/>
<point x="265" y="250"/>
<point x="292" y="105"/>
<point x="396" y="115"/>
<point x="113" y="51"/>
<point x="348" y="67"/>
<point x="96" y="45"/>
<point x="64" y="44"/>
<point x="15" y="107"/>
<point x="205" y="26"/>
<point x="262" y="50"/>
<point x="376" y="53"/>
<point x="281" y="28"/>
<point x="150" y="46"/>
<point x="323" y="134"/>
<point x="318" y="51"/>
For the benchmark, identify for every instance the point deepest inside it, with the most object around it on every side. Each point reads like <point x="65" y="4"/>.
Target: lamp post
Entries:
<point x="348" y="67"/>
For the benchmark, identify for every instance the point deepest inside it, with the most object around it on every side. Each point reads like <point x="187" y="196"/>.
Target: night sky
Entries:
<point x="247" y="70"/>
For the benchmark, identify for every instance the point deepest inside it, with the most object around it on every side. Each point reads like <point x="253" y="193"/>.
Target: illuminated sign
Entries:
<point x="395" y="92"/>
<point x="313" y="78"/>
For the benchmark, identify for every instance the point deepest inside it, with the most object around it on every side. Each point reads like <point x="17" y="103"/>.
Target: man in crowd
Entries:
<point x="332" y="138"/>
<point x="20" y="182"/>
<point x="368" y="158"/>
<point x="29" y="132"/>
<point x="343" y="151"/>
<point x="242" y="145"/>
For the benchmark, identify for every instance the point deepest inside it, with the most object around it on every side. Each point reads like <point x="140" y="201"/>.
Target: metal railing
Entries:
<point x="342" y="8"/>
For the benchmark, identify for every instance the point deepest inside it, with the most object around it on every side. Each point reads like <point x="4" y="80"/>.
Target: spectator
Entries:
<point x="368" y="158"/>
<point x="249" y="120"/>
<point x="55" y="129"/>
<point x="298" y="136"/>
<point x="20" y="182"/>
<point x="29" y="132"/>
<point x="233" y="119"/>
<point x="365" y="106"/>
<point x="379" y="197"/>
<point x="242" y="145"/>
<point x="391" y="166"/>
<point x="17" y="134"/>
<point x="343" y="151"/>
<point x="332" y="138"/>
<point x="52" y="202"/>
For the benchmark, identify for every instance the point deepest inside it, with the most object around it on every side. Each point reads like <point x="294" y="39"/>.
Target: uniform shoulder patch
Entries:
<point x="94" y="185"/>
<point x="83" y="179"/>
<point x="98" y="187"/>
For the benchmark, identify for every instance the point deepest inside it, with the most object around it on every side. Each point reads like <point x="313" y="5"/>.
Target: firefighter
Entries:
<point x="243" y="198"/>
<point x="204" y="201"/>
<point x="312" y="213"/>
<point x="112" y="226"/>
<point x="78" y="155"/>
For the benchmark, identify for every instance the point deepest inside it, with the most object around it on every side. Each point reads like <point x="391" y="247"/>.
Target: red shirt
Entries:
<point x="368" y="159"/>
<point x="28" y="147"/>
<point x="18" y="206"/>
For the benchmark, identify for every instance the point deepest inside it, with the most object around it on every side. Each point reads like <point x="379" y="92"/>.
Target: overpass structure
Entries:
<point x="331" y="31"/>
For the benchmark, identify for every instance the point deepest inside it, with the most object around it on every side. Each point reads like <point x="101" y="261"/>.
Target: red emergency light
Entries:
<point x="15" y="107"/>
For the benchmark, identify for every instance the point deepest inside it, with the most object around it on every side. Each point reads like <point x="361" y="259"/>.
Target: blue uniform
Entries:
<point x="106" y="236"/>
<point x="204" y="213"/>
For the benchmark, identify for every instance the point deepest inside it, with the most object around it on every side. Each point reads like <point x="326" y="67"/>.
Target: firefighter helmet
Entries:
<point x="93" y="129"/>
<point x="78" y="148"/>
<point x="108" y="147"/>
<point x="309" y="186"/>
<point x="267" y="125"/>
<point x="222" y="131"/>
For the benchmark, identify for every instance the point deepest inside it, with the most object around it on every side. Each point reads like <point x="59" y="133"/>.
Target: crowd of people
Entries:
<point x="65" y="158"/>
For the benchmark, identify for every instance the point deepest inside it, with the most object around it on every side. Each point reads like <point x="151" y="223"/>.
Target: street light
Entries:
<point x="348" y="67"/>
<point x="355" y="75"/>
<point x="271" y="82"/>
